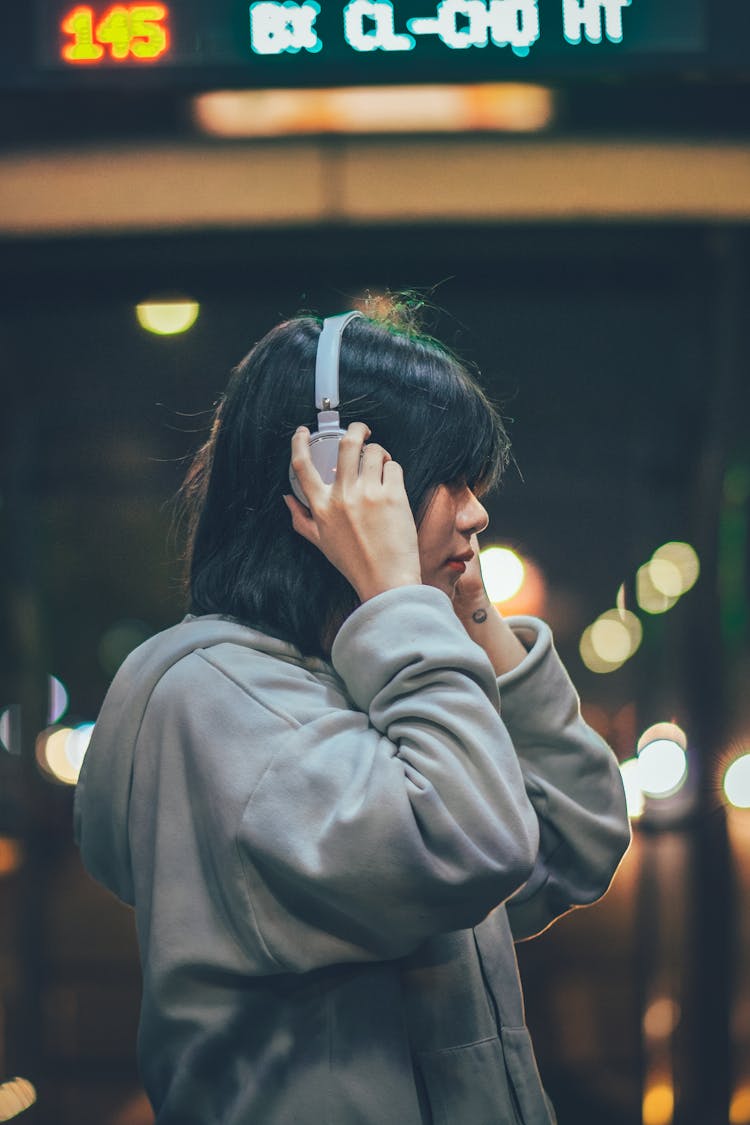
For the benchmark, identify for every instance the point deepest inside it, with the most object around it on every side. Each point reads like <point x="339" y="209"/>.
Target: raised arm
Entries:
<point x="571" y="775"/>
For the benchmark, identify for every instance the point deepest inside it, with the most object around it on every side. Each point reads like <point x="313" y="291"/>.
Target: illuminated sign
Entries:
<point x="315" y="42"/>
<point x="124" y="31"/>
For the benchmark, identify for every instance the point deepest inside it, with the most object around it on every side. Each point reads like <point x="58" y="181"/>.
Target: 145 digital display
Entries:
<point x="124" y="31"/>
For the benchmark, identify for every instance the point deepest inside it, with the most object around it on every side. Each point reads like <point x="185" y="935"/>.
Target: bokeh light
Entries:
<point x="661" y="1018"/>
<point x="739" y="1109"/>
<point x="671" y="571"/>
<point x="666" y="577"/>
<point x="10" y="728"/>
<point x="11" y="856"/>
<point x="662" y="761"/>
<point x="77" y="744"/>
<point x="167" y="318"/>
<point x="610" y="640"/>
<point x="611" y="637"/>
<point x="591" y="658"/>
<point x="16" y="1095"/>
<point x="664" y="729"/>
<point x="633" y="793"/>
<point x="650" y="598"/>
<point x="684" y="559"/>
<point x="658" y="1104"/>
<point x="503" y="572"/>
<point x="57" y="695"/>
<point x="60" y="751"/>
<point x="736" y="782"/>
<point x="501" y="106"/>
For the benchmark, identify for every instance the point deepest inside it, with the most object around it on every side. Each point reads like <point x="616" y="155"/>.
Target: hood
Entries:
<point x="102" y="798"/>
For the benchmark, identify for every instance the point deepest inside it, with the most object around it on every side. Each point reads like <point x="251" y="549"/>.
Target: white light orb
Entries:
<point x="52" y="755"/>
<point x="616" y="635"/>
<point x="662" y="768"/>
<point x="666" y="577"/>
<point x="57" y="695"/>
<point x="649" y="596"/>
<point x="167" y="318"/>
<point x="737" y="782"/>
<point x="503" y="572"/>
<point x="590" y="657"/>
<point x="77" y="744"/>
<point x="684" y="558"/>
<point x="633" y="793"/>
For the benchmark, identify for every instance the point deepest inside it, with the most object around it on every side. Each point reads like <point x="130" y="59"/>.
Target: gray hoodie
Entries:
<point x="329" y="863"/>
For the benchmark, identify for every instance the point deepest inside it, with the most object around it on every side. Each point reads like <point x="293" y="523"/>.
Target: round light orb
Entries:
<point x="684" y="558"/>
<point x="658" y="1104"/>
<point x="503" y="572"/>
<point x="616" y="635"/>
<point x="611" y="640"/>
<point x="51" y="753"/>
<point x="739" y="1109"/>
<point x="662" y="768"/>
<point x="591" y="658"/>
<point x="77" y="744"/>
<point x="736" y="782"/>
<point x="650" y="598"/>
<point x="57" y="695"/>
<point x="167" y="318"/>
<point x="661" y="1017"/>
<point x="666" y="577"/>
<point x="11" y="858"/>
<point x="632" y="783"/>
<point x="666" y="730"/>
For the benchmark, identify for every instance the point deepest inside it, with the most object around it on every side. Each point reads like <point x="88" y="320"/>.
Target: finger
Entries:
<point x="393" y="475"/>
<point x="350" y="450"/>
<point x="304" y="469"/>
<point x="374" y="457"/>
<point x="302" y="522"/>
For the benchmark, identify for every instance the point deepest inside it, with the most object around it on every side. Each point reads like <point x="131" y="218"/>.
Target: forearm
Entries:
<point x="488" y="628"/>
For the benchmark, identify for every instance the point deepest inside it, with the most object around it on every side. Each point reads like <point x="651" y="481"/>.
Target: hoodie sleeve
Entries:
<point x="572" y="779"/>
<point x="376" y="827"/>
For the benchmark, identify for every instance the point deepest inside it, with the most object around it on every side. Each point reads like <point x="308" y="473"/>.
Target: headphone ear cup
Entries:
<point x="324" y="453"/>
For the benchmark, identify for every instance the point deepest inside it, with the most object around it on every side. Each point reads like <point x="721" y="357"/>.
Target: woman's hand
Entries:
<point x="482" y="621"/>
<point x="470" y="595"/>
<point x="362" y="522"/>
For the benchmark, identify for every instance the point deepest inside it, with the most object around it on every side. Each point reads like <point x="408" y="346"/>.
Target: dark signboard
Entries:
<point x="201" y="43"/>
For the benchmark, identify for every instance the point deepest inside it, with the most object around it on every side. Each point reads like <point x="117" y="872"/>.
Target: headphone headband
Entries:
<point x="327" y="360"/>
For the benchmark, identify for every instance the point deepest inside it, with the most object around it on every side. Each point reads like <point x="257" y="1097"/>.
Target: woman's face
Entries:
<point x="452" y="517"/>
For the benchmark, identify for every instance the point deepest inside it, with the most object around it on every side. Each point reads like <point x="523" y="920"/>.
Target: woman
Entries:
<point x="341" y="787"/>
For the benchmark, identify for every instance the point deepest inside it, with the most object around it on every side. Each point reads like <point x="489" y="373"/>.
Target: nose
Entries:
<point x="471" y="517"/>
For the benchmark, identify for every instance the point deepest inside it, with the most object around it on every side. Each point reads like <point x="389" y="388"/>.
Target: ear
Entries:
<point x="302" y="520"/>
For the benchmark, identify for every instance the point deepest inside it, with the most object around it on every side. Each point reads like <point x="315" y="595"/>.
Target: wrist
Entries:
<point x="371" y="589"/>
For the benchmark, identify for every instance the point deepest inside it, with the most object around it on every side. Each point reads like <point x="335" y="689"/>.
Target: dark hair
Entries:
<point x="245" y="559"/>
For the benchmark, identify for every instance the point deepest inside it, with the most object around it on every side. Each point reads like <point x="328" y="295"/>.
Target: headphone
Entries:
<point x="324" y="442"/>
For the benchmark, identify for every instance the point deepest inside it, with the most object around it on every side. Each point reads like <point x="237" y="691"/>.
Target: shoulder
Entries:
<point x="242" y="670"/>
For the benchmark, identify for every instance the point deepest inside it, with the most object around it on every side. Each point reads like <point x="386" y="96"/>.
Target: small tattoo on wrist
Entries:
<point x="479" y="615"/>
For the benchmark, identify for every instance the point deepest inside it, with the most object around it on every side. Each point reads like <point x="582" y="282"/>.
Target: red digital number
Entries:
<point x="127" y="31"/>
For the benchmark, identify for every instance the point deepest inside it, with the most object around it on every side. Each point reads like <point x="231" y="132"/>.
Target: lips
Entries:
<point x="458" y="563"/>
<point x="464" y="558"/>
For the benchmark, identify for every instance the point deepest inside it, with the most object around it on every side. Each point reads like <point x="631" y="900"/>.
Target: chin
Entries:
<point x="445" y="583"/>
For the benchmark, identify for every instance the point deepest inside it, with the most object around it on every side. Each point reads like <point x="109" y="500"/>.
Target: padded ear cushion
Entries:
<point x="324" y="451"/>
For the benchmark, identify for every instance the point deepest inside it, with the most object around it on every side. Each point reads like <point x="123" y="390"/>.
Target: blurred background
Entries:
<point x="567" y="185"/>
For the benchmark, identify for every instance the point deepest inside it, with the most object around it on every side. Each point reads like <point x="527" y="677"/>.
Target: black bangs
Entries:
<point x="424" y="407"/>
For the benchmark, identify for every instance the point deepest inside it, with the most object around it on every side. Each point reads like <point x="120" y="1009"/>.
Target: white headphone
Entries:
<point x="324" y="442"/>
